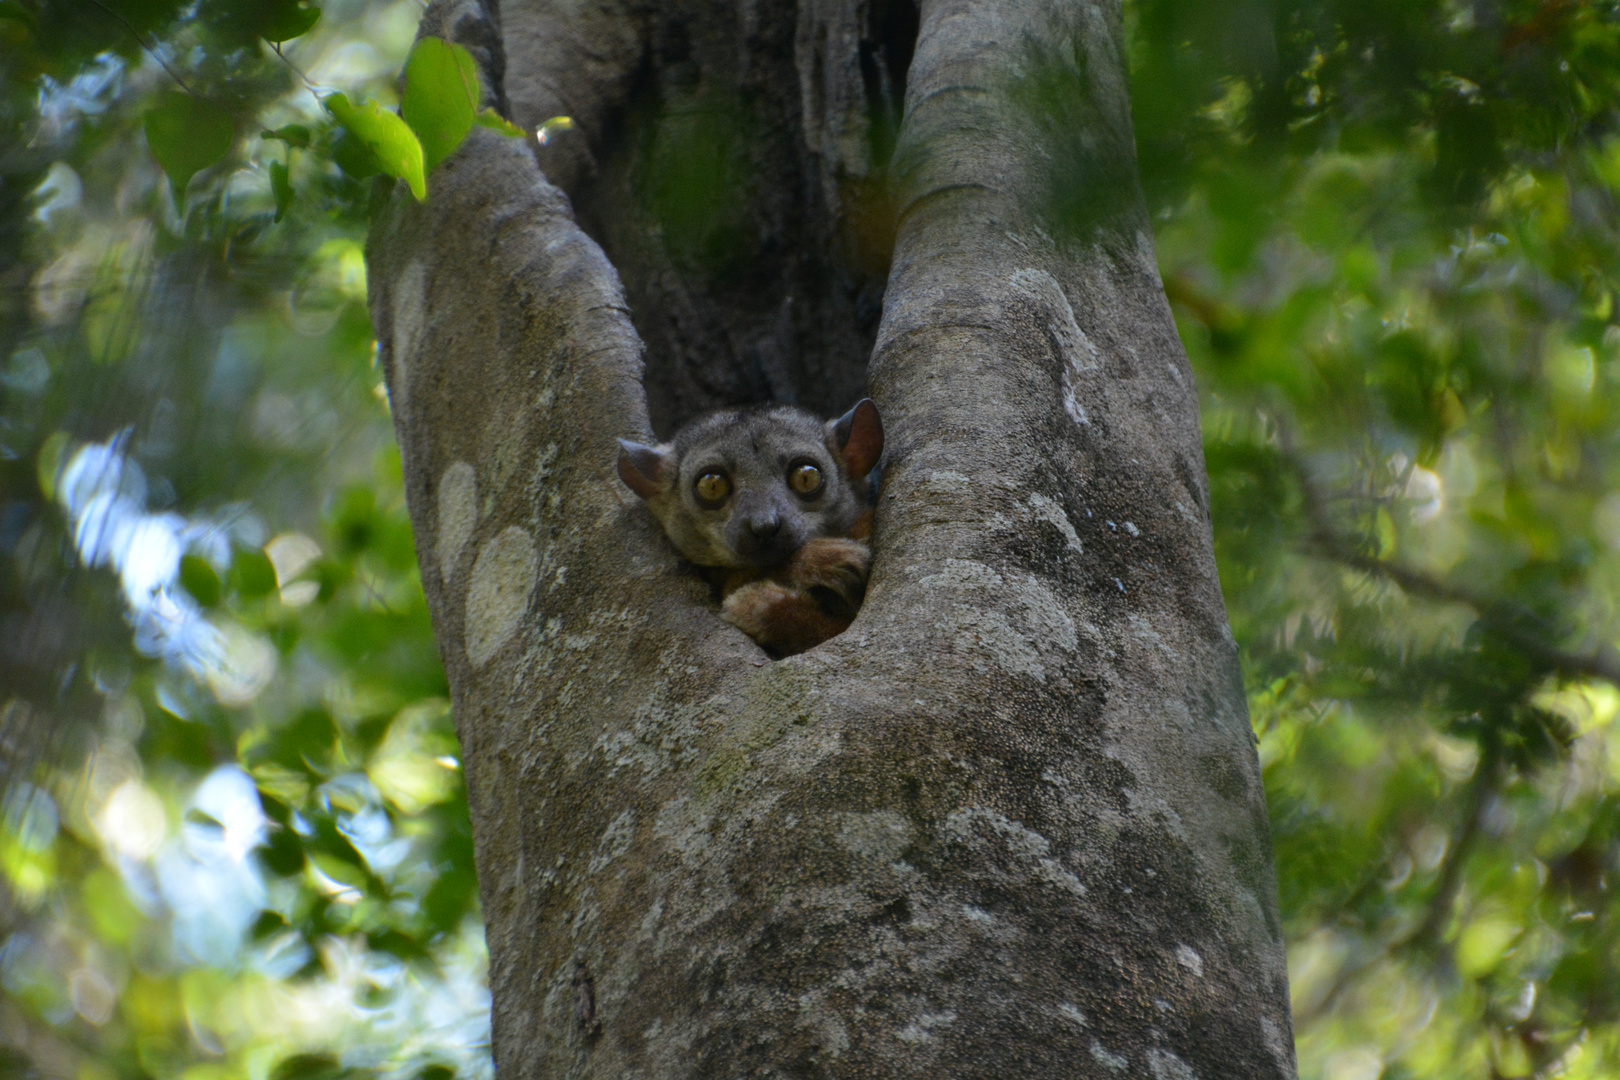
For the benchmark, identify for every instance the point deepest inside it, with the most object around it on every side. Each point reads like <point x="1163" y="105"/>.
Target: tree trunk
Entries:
<point x="1011" y="821"/>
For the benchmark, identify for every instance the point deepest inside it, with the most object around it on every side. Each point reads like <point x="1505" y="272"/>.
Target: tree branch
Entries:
<point x="1530" y="633"/>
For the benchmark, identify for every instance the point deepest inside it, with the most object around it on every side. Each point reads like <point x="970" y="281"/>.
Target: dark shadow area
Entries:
<point x="748" y="281"/>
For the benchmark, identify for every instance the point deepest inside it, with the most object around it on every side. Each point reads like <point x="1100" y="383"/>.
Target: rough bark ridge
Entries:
<point x="1011" y="821"/>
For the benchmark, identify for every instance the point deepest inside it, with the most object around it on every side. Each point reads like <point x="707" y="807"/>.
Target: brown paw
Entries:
<point x="782" y="619"/>
<point x="833" y="570"/>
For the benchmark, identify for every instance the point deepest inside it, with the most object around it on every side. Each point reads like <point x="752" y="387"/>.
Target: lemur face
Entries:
<point x="746" y="488"/>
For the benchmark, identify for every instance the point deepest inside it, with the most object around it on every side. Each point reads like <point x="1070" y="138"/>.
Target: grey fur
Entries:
<point x="763" y="521"/>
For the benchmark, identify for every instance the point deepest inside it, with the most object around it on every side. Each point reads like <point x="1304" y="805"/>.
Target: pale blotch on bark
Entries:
<point x="879" y="837"/>
<point x="1279" y="1043"/>
<point x="410" y="301"/>
<point x="1190" y="960"/>
<point x="973" y="828"/>
<point x="1102" y="1056"/>
<point x="503" y="578"/>
<point x="1051" y="511"/>
<point x="986" y="635"/>
<point x="921" y="1030"/>
<point x="615" y="841"/>
<point x="1080" y="353"/>
<point x="458" y="514"/>
<point x="1166" y="1066"/>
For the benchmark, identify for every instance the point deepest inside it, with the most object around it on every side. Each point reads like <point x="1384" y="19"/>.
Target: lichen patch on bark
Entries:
<point x="458" y="514"/>
<point x="880" y="836"/>
<point x="1051" y="511"/>
<point x="498" y="592"/>
<point x="1166" y="1066"/>
<point x="1019" y="641"/>
<point x="408" y="310"/>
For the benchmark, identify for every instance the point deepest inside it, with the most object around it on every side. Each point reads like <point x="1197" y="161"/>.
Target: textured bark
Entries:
<point x="1011" y="821"/>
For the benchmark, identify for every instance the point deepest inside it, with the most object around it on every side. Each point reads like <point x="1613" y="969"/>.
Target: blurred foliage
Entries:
<point x="251" y="858"/>
<point x="234" y="840"/>
<point x="1388" y="231"/>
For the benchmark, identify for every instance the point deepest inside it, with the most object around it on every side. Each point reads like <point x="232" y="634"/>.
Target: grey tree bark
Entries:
<point x="1011" y="822"/>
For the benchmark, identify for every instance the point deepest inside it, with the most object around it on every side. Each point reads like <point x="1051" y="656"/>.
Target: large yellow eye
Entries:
<point x="804" y="478"/>
<point x="712" y="488"/>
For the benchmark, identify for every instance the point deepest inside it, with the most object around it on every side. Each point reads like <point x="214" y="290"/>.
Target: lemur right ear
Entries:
<point x="641" y="467"/>
<point x="858" y="434"/>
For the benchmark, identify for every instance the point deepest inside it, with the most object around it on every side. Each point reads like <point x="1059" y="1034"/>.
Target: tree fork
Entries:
<point x="1012" y="819"/>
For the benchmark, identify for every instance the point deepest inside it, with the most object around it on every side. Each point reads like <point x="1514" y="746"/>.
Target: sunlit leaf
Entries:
<point x="116" y="919"/>
<point x="49" y="462"/>
<point x="348" y="872"/>
<point x="494" y="121"/>
<point x="195" y="816"/>
<point x="388" y="138"/>
<point x="441" y="97"/>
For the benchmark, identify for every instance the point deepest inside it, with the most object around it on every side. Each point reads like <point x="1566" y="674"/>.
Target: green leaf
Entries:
<point x="308" y="1067"/>
<point x="285" y="21"/>
<point x="441" y="96"/>
<point x="347" y="872"/>
<point x="243" y="24"/>
<point x="268" y="924"/>
<point x="187" y="134"/>
<point x="494" y="121"/>
<point x="198" y="578"/>
<point x="107" y="902"/>
<point x="251" y="573"/>
<point x="48" y="465"/>
<point x="281" y="187"/>
<point x="353" y="156"/>
<point x="293" y="135"/>
<point x="390" y="140"/>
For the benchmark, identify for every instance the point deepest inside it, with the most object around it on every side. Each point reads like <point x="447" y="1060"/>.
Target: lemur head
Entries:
<point x="747" y="487"/>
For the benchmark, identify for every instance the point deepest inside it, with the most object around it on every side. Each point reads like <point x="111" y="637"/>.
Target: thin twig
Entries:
<point x="1522" y="628"/>
<point x="1483" y="789"/>
<point x="309" y="84"/>
<point x="147" y="44"/>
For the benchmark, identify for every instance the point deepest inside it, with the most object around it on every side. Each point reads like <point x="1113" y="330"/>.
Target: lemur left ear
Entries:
<point x="858" y="435"/>
<point x="641" y="467"/>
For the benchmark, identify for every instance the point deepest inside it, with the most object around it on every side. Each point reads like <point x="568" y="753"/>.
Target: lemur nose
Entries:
<point x="765" y="527"/>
